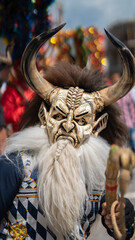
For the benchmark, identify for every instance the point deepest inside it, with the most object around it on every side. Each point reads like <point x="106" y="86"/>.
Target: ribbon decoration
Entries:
<point x="119" y="165"/>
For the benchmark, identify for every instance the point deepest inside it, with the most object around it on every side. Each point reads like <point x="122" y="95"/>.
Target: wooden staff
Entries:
<point x="120" y="163"/>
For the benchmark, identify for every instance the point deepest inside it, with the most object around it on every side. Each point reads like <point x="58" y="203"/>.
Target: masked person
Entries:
<point x="17" y="94"/>
<point x="5" y="65"/>
<point x="52" y="174"/>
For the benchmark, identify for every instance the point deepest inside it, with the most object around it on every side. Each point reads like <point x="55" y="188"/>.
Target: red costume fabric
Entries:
<point x="14" y="103"/>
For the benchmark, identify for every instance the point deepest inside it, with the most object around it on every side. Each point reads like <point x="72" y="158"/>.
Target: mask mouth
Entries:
<point x="70" y="137"/>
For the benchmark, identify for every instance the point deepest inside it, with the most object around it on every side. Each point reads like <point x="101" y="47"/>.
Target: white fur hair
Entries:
<point x="60" y="187"/>
<point x="93" y="152"/>
<point x="32" y="138"/>
<point x="64" y="173"/>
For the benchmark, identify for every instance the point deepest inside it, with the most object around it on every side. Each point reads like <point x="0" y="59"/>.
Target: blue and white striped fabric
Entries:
<point x="24" y="219"/>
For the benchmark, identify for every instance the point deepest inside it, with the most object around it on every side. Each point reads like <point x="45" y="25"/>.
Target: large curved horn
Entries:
<point x="28" y="63"/>
<point x="122" y="87"/>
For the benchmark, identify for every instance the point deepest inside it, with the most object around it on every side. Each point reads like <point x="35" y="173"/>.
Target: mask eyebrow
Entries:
<point x="82" y="114"/>
<point x="59" y="109"/>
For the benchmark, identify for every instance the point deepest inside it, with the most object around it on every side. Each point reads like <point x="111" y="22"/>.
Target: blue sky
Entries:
<point x="100" y="13"/>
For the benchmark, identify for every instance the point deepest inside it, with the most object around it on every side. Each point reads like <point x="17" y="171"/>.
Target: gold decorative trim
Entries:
<point x="18" y="231"/>
<point x="98" y="101"/>
<point x="74" y="97"/>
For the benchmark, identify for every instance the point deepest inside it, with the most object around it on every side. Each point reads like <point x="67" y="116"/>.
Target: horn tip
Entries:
<point x="63" y="24"/>
<point x="107" y="33"/>
<point x="60" y="27"/>
<point x="116" y="42"/>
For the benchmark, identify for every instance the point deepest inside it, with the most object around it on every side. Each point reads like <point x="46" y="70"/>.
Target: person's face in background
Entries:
<point x="115" y="77"/>
<point x="4" y="73"/>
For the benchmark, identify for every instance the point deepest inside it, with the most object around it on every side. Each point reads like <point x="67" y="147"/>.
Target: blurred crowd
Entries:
<point x="127" y="105"/>
<point x="14" y="97"/>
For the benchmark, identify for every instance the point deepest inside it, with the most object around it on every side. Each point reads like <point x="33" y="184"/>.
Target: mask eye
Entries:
<point x="81" y="121"/>
<point x="58" y="116"/>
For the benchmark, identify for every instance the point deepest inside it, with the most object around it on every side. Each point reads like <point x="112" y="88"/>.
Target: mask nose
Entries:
<point x="69" y="125"/>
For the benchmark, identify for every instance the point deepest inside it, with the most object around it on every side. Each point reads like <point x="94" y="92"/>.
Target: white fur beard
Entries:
<point x="61" y="190"/>
<point x="64" y="173"/>
<point x="93" y="154"/>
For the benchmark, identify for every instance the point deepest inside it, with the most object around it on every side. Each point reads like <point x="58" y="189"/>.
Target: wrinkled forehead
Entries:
<point x="74" y="98"/>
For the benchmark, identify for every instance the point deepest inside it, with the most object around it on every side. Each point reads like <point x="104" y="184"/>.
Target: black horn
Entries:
<point x="123" y="86"/>
<point x="28" y="63"/>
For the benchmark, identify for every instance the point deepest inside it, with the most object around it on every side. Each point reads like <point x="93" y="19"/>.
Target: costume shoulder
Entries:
<point x="11" y="175"/>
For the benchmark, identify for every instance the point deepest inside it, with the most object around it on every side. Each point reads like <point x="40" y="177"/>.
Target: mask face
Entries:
<point x="71" y="115"/>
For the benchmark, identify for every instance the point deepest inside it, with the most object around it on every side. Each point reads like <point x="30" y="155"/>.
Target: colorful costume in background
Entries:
<point x="5" y="63"/>
<point x="127" y="105"/>
<point x="54" y="175"/>
<point x="14" y="100"/>
<point x="17" y="94"/>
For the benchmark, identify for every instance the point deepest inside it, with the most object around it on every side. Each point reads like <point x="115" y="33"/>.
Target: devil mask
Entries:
<point x="72" y="111"/>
